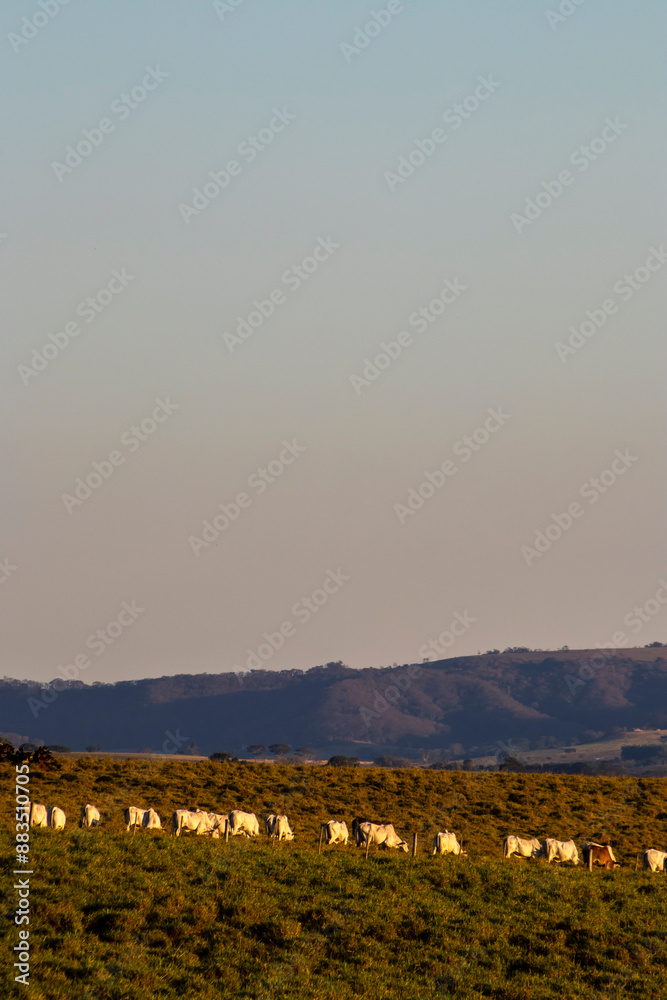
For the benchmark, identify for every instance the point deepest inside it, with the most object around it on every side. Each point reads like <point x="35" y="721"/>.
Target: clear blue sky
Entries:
<point x="181" y="89"/>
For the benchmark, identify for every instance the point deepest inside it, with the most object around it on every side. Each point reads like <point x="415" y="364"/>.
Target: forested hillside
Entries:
<point x="467" y="703"/>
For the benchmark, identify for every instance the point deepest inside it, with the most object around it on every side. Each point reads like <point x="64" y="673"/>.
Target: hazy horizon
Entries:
<point x="202" y="451"/>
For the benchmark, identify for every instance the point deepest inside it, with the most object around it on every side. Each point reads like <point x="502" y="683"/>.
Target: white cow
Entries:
<point x="524" y="848"/>
<point x="133" y="817"/>
<point x="243" y="823"/>
<point x="184" y="820"/>
<point x="197" y="821"/>
<point x="56" y="818"/>
<point x="151" y="820"/>
<point x="655" y="861"/>
<point x="215" y="825"/>
<point x="560" y="850"/>
<point x="380" y="833"/>
<point x="278" y="826"/>
<point x="90" y="816"/>
<point x="335" y="832"/>
<point x="37" y="815"/>
<point x="446" y="843"/>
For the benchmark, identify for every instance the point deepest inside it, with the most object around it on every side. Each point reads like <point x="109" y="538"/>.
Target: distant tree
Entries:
<point x="221" y="757"/>
<point x="493" y="651"/>
<point x="388" y="760"/>
<point x="511" y="764"/>
<point x="93" y="747"/>
<point x="516" y="649"/>
<point x="279" y="749"/>
<point x="191" y="750"/>
<point x="654" y="645"/>
<point x="256" y="749"/>
<point x="304" y="752"/>
<point x="58" y="748"/>
<point x="28" y="746"/>
<point x="467" y="764"/>
<point x="565" y="647"/>
<point x="340" y="761"/>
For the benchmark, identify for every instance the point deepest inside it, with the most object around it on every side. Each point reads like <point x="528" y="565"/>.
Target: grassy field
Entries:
<point x="607" y="749"/>
<point x="116" y="916"/>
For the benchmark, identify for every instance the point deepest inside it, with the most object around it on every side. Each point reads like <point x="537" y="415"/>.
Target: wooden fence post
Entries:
<point x="414" y="845"/>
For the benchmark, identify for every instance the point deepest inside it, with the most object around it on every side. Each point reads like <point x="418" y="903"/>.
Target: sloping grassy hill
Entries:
<point x="118" y="916"/>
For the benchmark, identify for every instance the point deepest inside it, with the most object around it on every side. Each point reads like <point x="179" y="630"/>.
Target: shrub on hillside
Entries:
<point x="340" y="761"/>
<point x="388" y="760"/>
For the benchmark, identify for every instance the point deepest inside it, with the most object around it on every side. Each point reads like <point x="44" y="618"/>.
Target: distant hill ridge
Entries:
<point x="472" y="702"/>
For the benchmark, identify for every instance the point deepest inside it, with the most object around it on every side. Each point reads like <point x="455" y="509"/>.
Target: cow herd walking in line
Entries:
<point x="365" y="833"/>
